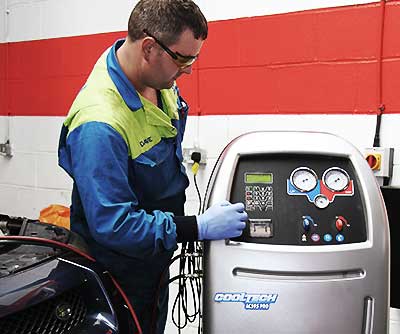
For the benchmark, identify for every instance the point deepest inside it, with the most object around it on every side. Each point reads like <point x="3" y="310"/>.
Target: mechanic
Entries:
<point x="121" y="145"/>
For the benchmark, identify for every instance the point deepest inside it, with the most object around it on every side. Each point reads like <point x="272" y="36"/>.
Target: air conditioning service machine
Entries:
<point x="314" y="257"/>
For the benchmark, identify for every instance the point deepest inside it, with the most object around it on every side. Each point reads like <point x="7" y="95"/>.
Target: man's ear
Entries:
<point x="147" y="46"/>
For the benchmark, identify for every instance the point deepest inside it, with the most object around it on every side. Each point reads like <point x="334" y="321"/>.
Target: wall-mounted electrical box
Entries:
<point x="187" y="155"/>
<point x="380" y="159"/>
<point x="6" y="149"/>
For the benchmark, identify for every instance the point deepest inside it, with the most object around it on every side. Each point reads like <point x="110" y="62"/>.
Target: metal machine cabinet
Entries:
<point x="314" y="257"/>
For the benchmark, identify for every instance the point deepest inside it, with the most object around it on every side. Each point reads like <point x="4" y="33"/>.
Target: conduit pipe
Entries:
<point x="381" y="105"/>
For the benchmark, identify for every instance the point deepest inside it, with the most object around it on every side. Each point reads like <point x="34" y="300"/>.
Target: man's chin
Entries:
<point x="166" y="85"/>
<point x="169" y="84"/>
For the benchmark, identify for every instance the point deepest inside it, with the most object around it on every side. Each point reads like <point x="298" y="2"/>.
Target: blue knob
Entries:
<point x="306" y="224"/>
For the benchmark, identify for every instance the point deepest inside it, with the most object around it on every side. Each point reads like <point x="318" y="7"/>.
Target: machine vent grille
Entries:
<point x="58" y="315"/>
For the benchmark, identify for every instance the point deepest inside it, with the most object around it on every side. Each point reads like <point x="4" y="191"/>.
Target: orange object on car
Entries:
<point x="56" y="214"/>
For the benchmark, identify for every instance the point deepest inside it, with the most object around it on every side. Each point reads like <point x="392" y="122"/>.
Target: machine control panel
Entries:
<point x="259" y="192"/>
<point x="299" y="200"/>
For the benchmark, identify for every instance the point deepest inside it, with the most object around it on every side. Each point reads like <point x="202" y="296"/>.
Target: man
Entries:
<point x="121" y="144"/>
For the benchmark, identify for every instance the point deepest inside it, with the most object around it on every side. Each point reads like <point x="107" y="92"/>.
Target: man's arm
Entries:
<point x="99" y="165"/>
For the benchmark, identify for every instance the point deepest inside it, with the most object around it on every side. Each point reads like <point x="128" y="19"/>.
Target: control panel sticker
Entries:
<point x="335" y="182"/>
<point x="251" y="301"/>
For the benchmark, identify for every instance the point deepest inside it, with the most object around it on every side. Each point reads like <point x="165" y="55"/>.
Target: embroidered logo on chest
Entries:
<point x="145" y="141"/>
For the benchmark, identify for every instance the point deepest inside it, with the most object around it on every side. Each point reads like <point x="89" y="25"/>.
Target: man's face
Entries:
<point x="165" y="69"/>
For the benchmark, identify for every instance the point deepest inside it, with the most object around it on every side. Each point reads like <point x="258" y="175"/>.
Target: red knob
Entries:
<point x="339" y="224"/>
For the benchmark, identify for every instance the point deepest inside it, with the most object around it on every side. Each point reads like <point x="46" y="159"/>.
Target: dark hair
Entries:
<point x="166" y="20"/>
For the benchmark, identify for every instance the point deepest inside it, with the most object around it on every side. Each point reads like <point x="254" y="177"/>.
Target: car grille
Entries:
<point x="58" y="315"/>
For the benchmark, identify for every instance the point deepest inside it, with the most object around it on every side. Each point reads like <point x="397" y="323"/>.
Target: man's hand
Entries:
<point x="222" y="221"/>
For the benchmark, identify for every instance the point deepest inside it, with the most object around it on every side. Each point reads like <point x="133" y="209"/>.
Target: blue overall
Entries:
<point x="125" y="158"/>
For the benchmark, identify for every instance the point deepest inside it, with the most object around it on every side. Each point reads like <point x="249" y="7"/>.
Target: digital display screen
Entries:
<point x="258" y="178"/>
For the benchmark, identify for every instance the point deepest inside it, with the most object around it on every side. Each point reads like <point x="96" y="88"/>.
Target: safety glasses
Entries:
<point x="180" y="60"/>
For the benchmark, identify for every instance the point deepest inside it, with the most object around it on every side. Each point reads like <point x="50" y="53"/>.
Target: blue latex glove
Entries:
<point x="222" y="221"/>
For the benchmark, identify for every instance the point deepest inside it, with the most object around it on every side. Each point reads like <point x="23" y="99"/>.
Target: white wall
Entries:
<point x="226" y="9"/>
<point x="31" y="179"/>
<point x="51" y="18"/>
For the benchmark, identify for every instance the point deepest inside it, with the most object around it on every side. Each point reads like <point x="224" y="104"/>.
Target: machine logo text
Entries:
<point x="251" y="301"/>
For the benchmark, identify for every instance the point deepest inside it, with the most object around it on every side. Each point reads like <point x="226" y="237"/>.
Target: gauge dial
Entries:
<point x="336" y="179"/>
<point x="304" y="179"/>
<point x="321" y="201"/>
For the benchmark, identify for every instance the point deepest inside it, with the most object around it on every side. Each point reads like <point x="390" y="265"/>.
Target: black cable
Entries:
<point x="377" y="131"/>
<point x="210" y="178"/>
<point x="190" y="267"/>
<point x="192" y="263"/>
<point x="198" y="193"/>
<point x="189" y="286"/>
<point x="175" y="278"/>
<point x="197" y="265"/>
<point x="181" y="300"/>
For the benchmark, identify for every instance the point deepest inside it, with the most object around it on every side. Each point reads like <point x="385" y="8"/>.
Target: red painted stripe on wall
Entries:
<point x="3" y="77"/>
<point x="45" y="75"/>
<point x="318" y="61"/>
<point x="391" y="67"/>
